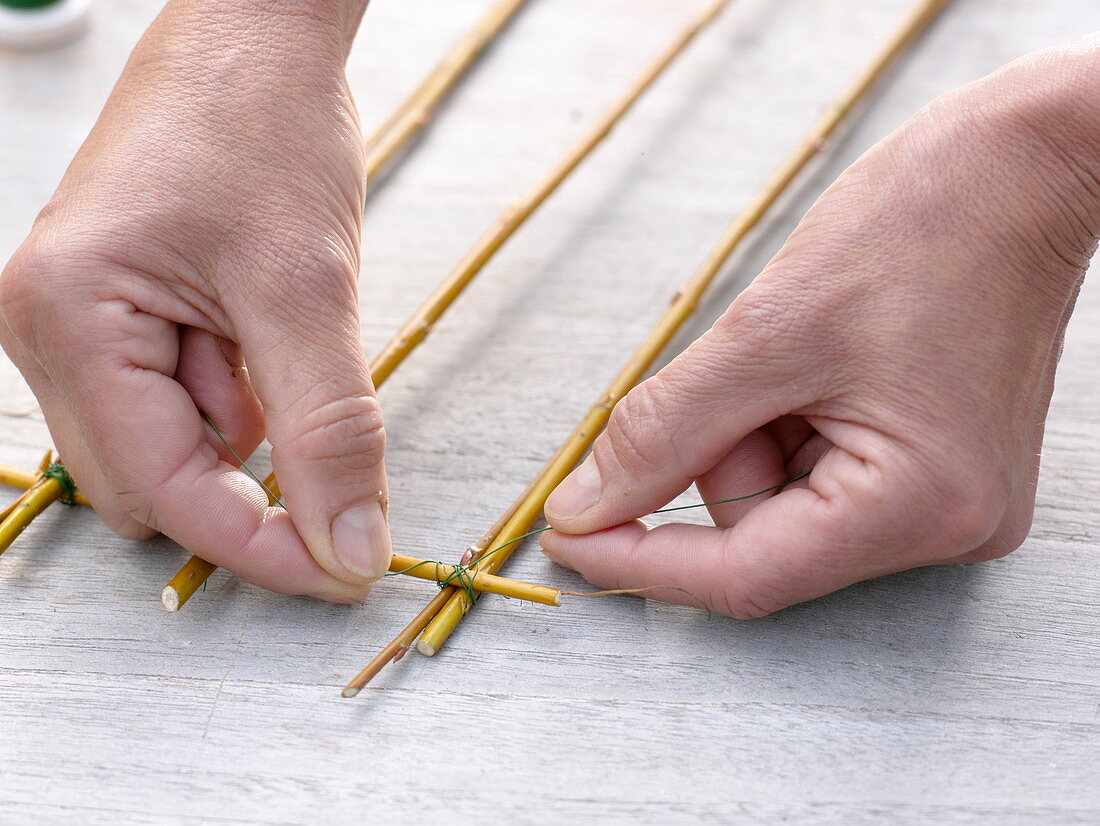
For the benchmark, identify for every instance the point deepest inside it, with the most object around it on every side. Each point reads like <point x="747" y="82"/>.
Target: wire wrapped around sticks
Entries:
<point x="51" y="484"/>
<point x="400" y="645"/>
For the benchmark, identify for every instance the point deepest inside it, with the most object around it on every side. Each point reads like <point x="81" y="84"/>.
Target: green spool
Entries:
<point x="28" y="4"/>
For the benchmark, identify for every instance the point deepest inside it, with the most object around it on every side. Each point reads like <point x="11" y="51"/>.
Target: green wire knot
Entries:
<point x="57" y="472"/>
<point x="462" y="577"/>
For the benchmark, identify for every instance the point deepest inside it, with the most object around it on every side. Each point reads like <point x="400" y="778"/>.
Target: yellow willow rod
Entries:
<point x="196" y="571"/>
<point x="403" y="641"/>
<point x="400" y="564"/>
<point x="417" y="110"/>
<point x="40" y="491"/>
<point x="444" y="623"/>
<point x="38" y="497"/>
<point x="478" y="580"/>
<point x="423" y="320"/>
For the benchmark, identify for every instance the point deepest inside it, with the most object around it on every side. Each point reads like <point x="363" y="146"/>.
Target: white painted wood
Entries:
<point x="953" y="695"/>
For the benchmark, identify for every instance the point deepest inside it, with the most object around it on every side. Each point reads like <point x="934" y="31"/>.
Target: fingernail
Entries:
<point x="578" y="492"/>
<point x="361" y="539"/>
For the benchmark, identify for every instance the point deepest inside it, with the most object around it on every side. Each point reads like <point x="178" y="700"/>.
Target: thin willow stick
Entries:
<point x="417" y="110"/>
<point x="196" y="571"/>
<point x="478" y="580"/>
<point x="420" y="324"/>
<point x="16" y="477"/>
<point x="424" y="319"/>
<point x="399" y="646"/>
<point x="40" y="496"/>
<point x="7" y="511"/>
<point x="440" y="628"/>
<point x="399" y="564"/>
<point x="46" y="461"/>
<point x="185" y="583"/>
<point x="25" y="480"/>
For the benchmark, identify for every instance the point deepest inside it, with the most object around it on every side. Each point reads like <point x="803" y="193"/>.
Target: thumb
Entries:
<point x="325" y="426"/>
<point x="671" y="429"/>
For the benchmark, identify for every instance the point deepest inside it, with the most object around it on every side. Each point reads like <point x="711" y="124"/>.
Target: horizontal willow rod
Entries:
<point x="445" y="574"/>
<point x="478" y="580"/>
<point x="195" y="572"/>
<point x="443" y="625"/>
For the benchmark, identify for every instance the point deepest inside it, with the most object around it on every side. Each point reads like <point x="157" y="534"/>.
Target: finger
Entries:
<point x="325" y="426"/>
<point x="790" y="434"/>
<point x="676" y="426"/>
<point x="151" y="444"/>
<point x="212" y="371"/>
<point x="68" y="438"/>
<point x="854" y="522"/>
<point x="756" y="463"/>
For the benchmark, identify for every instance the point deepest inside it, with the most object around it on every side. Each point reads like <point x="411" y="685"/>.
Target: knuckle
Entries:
<point x="1011" y="538"/>
<point x="324" y="273"/>
<point x="41" y="281"/>
<point x="741" y="605"/>
<point x="24" y="292"/>
<point x="1007" y="539"/>
<point x="756" y="318"/>
<point x="994" y="549"/>
<point x="130" y="523"/>
<point x="968" y="511"/>
<point x="638" y="429"/>
<point x="776" y="328"/>
<point x="744" y="599"/>
<point x="347" y="432"/>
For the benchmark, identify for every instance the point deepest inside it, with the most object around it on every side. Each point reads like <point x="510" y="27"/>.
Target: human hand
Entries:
<point x="212" y="218"/>
<point x="902" y="344"/>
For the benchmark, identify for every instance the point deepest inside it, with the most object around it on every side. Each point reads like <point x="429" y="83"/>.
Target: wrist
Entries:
<point x="325" y="17"/>
<point x="304" y="31"/>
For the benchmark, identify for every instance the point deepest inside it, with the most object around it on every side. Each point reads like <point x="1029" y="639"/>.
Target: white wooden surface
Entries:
<point x="952" y="695"/>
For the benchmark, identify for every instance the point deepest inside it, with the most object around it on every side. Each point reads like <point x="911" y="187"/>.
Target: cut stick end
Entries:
<point x="427" y="649"/>
<point x="349" y="691"/>
<point x="170" y="599"/>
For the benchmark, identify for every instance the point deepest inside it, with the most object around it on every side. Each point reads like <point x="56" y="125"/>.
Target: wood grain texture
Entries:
<point x="947" y="695"/>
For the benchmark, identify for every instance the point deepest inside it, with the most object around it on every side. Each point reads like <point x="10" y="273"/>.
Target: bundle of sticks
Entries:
<point x="477" y="570"/>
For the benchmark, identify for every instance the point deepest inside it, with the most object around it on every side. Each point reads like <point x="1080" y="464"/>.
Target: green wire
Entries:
<point x="462" y="577"/>
<point x="57" y="472"/>
<point x="244" y="465"/>
<point x="461" y="570"/>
